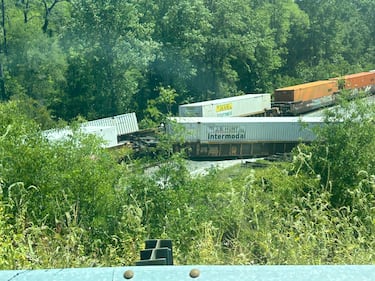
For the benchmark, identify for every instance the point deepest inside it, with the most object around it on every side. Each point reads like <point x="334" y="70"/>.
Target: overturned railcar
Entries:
<point x="243" y="137"/>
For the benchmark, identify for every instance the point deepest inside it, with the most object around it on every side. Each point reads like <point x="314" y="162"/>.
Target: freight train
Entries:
<point x="307" y="97"/>
<point x="208" y="134"/>
<point x="288" y="101"/>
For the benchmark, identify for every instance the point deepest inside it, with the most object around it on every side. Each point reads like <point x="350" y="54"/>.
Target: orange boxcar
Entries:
<point x="307" y="91"/>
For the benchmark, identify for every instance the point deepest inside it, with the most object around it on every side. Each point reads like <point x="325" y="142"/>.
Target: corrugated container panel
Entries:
<point x="125" y="123"/>
<point x="305" y="92"/>
<point x="244" y="105"/>
<point x="252" y="129"/>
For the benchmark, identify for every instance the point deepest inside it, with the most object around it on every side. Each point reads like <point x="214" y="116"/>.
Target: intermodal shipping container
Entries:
<point x="245" y="105"/>
<point x="307" y="91"/>
<point x="107" y="134"/>
<point x="124" y="123"/>
<point x="358" y="80"/>
<point x="252" y="129"/>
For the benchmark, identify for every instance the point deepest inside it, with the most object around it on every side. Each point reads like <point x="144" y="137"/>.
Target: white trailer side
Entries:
<point x="245" y="105"/>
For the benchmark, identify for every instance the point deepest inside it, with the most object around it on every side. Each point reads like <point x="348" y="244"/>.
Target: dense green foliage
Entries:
<point x="98" y="59"/>
<point x="70" y="203"/>
<point x="343" y="155"/>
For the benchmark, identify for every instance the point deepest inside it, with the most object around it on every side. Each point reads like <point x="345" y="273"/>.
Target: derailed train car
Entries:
<point x="112" y="130"/>
<point x="243" y="136"/>
<point x="244" y="105"/>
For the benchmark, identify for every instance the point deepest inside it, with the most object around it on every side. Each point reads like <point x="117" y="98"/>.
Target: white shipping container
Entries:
<point x="107" y="128"/>
<point x="248" y="129"/>
<point x="55" y="135"/>
<point x="108" y="134"/>
<point x="124" y="123"/>
<point x="244" y="105"/>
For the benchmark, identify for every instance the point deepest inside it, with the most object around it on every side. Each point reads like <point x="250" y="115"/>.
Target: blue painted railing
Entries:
<point x="198" y="272"/>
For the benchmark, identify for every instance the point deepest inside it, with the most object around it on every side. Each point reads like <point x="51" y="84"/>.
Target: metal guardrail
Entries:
<point x="159" y="252"/>
<point x="199" y="273"/>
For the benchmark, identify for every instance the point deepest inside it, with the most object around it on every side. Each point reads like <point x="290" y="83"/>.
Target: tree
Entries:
<point x="3" y="53"/>
<point x="181" y="28"/>
<point x="277" y="24"/>
<point x="65" y="177"/>
<point x="48" y="7"/>
<point x="33" y="64"/>
<point x="231" y="44"/>
<point x="336" y="41"/>
<point x="157" y="109"/>
<point x="343" y="154"/>
<point x="110" y="47"/>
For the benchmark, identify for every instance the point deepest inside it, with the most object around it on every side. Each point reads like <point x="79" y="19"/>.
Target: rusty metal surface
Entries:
<point x="201" y="273"/>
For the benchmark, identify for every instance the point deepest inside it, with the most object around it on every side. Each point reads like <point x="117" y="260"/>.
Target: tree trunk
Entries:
<point x="3" y="53"/>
